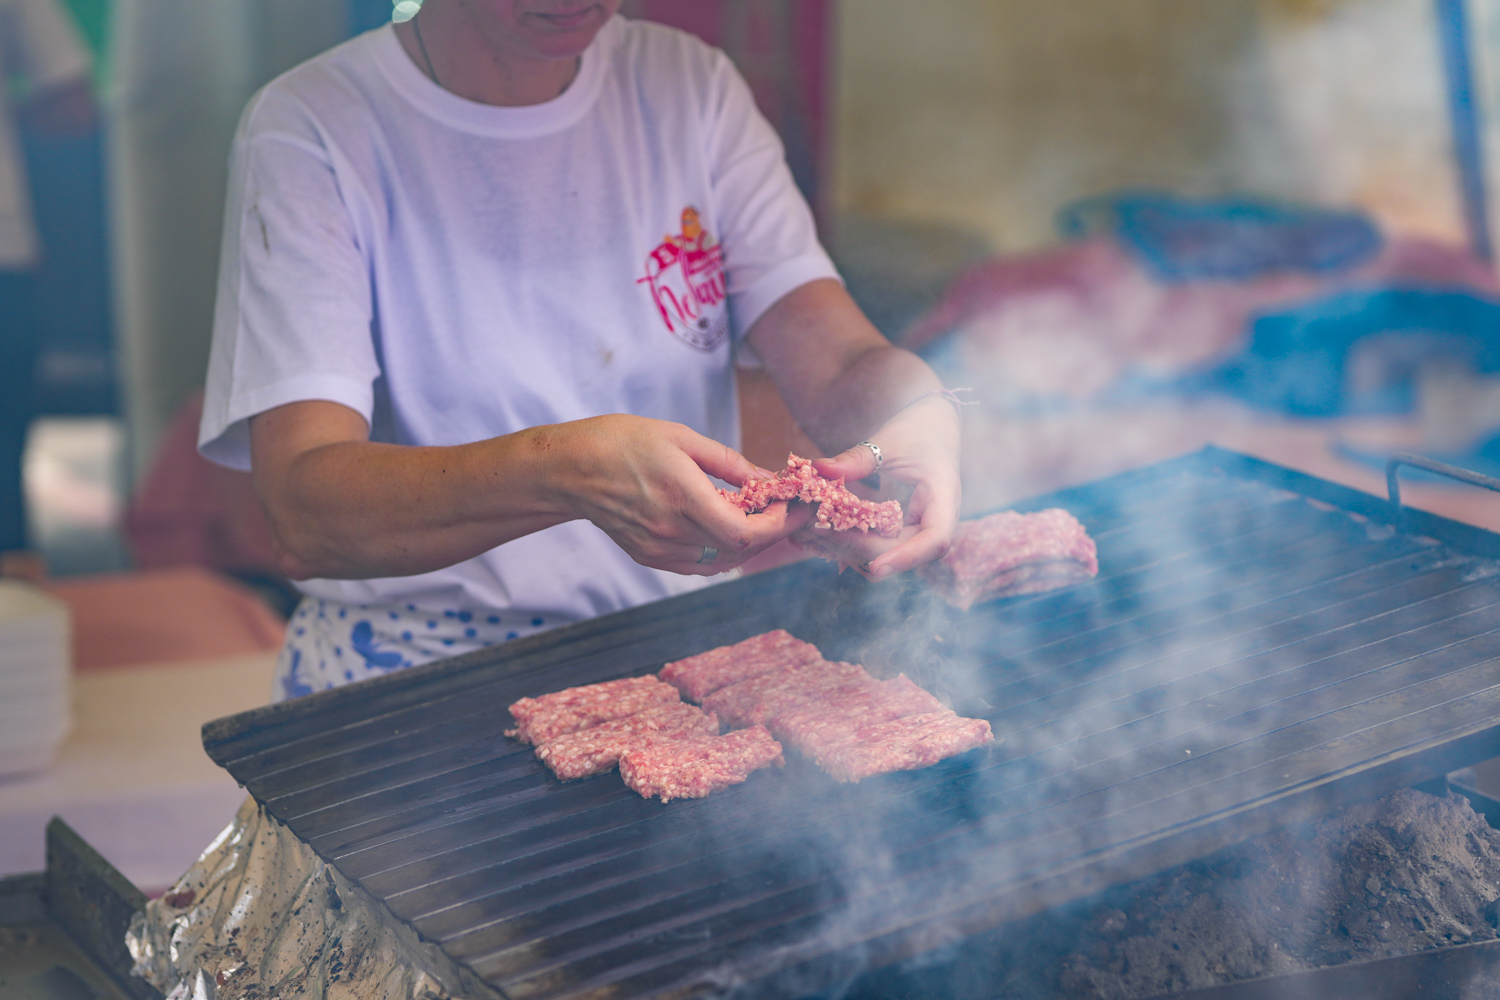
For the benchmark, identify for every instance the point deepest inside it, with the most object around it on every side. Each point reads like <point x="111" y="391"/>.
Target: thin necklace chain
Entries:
<point x="416" y="26"/>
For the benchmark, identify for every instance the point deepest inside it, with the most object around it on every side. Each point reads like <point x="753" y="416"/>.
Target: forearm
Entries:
<point x="845" y="383"/>
<point x="840" y="378"/>
<point x="359" y="509"/>
<point x="343" y="507"/>
<point x="862" y="396"/>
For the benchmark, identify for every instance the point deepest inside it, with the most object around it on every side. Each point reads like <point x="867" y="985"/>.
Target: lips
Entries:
<point x="568" y="20"/>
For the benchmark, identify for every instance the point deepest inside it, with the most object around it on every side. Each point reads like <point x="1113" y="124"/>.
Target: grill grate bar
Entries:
<point x="1291" y="679"/>
<point x="1274" y="581"/>
<point x="1438" y="593"/>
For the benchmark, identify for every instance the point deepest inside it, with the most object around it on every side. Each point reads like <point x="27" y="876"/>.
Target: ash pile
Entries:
<point x="1406" y="873"/>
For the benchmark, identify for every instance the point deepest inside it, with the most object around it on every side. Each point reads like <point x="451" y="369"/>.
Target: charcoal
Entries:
<point x="1402" y="874"/>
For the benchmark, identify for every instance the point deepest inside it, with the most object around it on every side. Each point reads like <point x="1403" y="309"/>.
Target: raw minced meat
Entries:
<point x="837" y="507"/>
<point x="693" y="768"/>
<point x="835" y="717"/>
<point x="599" y="748"/>
<point x="835" y="713"/>
<point x="904" y="745"/>
<point x="1007" y="554"/>
<point x="552" y="715"/>
<point x="756" y="700"/>
<point x="702" y="674"/>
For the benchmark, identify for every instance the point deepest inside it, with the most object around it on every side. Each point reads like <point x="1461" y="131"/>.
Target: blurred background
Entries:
<point x="1130" y="229"/>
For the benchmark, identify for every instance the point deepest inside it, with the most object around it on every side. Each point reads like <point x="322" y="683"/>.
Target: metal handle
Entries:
<point x="1393" y="486"/>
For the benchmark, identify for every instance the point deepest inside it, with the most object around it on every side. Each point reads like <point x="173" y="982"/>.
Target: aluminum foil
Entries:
<point x="260" y="916"/>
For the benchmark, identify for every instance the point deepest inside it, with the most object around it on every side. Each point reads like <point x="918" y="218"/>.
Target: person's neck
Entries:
<point x="476" y="68"/>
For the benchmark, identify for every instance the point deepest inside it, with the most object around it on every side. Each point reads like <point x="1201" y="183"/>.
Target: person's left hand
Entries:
<point x="920" y="447"/>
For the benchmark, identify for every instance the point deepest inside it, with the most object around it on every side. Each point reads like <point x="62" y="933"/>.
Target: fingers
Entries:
<point x="680" y="513"/>
<point x="687" y="558"/>
<point x="923" y="547"/>
<point x="724" y="523"/>
<point x="719" y="460"/>
<point x="708" y="520"/>
<point x="936" y="509"/>
<point x="698" y="560"/>
<point x="726" y="527"/>
<point x="939" y="518"/>
<point x="850" y="548"/>
<point x="852" y="464"/>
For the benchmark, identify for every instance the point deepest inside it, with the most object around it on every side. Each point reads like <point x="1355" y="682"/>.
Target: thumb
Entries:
<point x="851" y="464"/>
<point x="719" y="460"/>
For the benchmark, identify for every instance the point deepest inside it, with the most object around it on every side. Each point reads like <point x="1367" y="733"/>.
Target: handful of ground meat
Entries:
<point x="837" y="507"/>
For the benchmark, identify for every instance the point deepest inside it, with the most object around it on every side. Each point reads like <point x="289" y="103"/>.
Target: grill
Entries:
<point x="1260" y="647"/>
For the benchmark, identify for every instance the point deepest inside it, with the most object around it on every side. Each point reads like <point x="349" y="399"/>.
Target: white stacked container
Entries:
<point x="35" y="677"/>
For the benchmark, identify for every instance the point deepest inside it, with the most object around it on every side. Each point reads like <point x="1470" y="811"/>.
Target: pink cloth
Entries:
<point x="784" y="52"/>
<point x="164" y="616"/>
<point x="187" y="511"/>
<point x="1068" y="323"/>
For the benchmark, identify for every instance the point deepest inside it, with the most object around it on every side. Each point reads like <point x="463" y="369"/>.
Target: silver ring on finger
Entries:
<point x="708" y="556"/>
<point x="874" y="450"/>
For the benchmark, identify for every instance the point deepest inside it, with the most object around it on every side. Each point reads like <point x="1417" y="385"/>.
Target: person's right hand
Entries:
<point x="645" y="483"/>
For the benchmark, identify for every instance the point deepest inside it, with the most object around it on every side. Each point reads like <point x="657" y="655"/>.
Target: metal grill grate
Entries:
<point x="1248" y="656"/>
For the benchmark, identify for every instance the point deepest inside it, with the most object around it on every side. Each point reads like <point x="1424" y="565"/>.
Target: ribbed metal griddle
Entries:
<point x="1260" y="646"/>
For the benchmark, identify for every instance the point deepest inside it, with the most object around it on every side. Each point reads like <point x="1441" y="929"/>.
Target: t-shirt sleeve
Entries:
<point x="767" y="229"/>
<point x="50" y="50"/>
<point x="292" y="319"/>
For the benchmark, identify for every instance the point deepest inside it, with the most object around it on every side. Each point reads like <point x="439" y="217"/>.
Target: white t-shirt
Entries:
<point x="455" y="271"/>
<point x="39" y="44"/>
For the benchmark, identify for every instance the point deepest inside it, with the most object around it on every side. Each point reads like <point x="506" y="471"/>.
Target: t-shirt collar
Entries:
<point x="487" y="119"/>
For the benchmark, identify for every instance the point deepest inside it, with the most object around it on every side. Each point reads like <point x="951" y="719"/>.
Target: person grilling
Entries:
<point x="486" y="277"/>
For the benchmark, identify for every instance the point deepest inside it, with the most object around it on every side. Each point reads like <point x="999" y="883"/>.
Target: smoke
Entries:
<point x="1237" y="636"/>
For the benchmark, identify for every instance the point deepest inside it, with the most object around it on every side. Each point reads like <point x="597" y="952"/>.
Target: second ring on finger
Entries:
<point x="691" y="561"/>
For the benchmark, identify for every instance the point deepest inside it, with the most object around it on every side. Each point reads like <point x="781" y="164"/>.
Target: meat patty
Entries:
<point x="552" y="715"/>
<point x="1009" y="553"/>
<point x="693" y="768"/>
<point x="599" y="748"/>
<point x="758" y="699"/>
<point x="904" y="745"/>
<point x="704" y="673"/>
<point x="836" y="716"/>
<point x="837" y="507"/>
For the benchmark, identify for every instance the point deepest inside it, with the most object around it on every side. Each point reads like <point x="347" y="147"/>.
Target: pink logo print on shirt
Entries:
<point x="685" y="275"/>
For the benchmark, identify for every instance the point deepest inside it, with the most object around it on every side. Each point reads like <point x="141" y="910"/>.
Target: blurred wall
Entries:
<point x="181" y="72"/>
<point x="991" y="114"/>
<point x="75" y="369"/>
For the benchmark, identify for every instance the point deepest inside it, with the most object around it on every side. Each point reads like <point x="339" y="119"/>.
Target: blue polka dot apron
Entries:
<point x="329" y="643"/>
